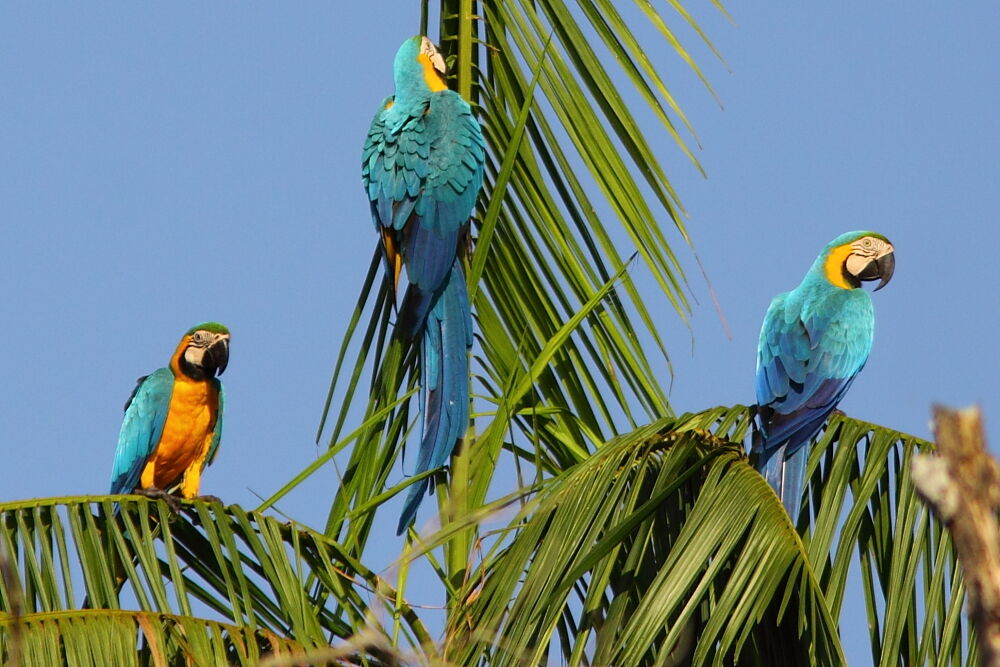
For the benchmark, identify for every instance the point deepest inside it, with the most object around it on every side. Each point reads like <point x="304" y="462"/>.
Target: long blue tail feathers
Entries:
<point x="446" y="320"/>
<point x="786" y="476"/>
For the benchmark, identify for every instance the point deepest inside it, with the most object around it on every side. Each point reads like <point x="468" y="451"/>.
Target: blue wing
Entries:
<point x="809" y="352"/>
<point x="145" y="414"/>
<point x="217" y="433"/>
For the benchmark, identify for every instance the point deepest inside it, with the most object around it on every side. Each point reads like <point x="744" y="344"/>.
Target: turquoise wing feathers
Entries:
<point x="145" y="414"/>
<point x="813" y="343"/>
<point x="422" y="169"/>
<point x="807" y="360"/>
<point x="806" y="363"/>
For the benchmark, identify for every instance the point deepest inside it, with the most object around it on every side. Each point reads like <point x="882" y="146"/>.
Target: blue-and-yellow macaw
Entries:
<point x="814" y="341"/>
<point x="173" y="419"/>
<point x="422" y="167"/>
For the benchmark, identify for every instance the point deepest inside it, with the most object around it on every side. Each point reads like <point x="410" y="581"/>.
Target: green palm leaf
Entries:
<point x="259" y="577"/>
<point x="106" y="638"/>
<point x="688" y="555"/>
<point x="866" y="511"/>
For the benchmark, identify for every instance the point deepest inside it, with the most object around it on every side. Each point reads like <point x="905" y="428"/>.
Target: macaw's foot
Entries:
<point x="837" y="412"/>
<point x="209" y="499"/>
<point x="160" y="494"/>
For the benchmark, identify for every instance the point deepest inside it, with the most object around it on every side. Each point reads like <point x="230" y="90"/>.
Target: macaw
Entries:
<point x="813" y="343"/>
<point x="173" y="420"/>
<point x="422" y="168"/>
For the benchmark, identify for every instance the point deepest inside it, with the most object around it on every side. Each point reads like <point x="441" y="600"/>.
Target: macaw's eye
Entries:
<point x="198" y="337"/>
<point x="868" y="242"/>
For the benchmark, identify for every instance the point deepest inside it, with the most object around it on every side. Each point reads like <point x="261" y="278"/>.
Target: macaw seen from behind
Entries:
<point x="173" y="419"/>
<point x="422" y="168"/>
<point x="814" y="341"/>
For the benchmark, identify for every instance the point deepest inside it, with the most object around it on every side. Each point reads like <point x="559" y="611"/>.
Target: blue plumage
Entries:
<point x="145" y="414"/>
<point x="813" y="343"/>
<point x="422" y="168"/>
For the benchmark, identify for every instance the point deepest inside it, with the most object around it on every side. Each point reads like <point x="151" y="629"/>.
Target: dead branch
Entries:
<point x="962" y="486"/>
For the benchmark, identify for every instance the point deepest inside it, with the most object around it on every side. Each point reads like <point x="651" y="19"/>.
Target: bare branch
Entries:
<point x="962" y="486"/>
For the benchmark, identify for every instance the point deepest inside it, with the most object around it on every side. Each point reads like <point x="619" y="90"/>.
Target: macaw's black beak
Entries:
<point x="217" y="356"/>
<point x="880" y="269"/>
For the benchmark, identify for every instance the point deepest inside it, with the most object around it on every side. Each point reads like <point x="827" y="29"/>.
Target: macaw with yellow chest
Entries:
<point x="173" y="420"/>
<point x="422" y="168"/>
<point x="813" y="343"/>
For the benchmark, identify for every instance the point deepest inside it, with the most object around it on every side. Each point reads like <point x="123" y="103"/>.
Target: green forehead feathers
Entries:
<point x="851" y="237"/>
<point x="876" y="235"/>
<point x="214" y="327"/>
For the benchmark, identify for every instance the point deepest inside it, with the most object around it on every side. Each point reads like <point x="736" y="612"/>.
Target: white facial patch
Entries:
<point x="856" y="263"/>
<point x="194" y="355"/>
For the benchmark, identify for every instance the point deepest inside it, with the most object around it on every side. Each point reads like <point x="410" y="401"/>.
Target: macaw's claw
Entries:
<point x="160" y="494"/>
<point x="209" y="499"/>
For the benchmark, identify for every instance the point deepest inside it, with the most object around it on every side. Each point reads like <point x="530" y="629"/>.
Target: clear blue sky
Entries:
<point x="165" y="164"/>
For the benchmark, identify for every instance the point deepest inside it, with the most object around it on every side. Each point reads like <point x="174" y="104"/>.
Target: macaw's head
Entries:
<point x="855" y="257"/>
<point x="419" y="68"/>
<point x="204" y="350"/>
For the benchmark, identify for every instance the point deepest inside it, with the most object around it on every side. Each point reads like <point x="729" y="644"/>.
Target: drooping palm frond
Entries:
<point x="257" y="582"/>
<point x="666" y="547"/>
<point x="644" y="554"/>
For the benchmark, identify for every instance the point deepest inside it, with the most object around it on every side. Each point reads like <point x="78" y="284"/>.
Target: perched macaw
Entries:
<point x="814" y="341"/>
<point x="173" y="419"/>
<point x="422" y="168"/>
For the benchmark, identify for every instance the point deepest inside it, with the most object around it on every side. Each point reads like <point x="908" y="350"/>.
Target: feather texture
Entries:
<point x="422" y="168"/>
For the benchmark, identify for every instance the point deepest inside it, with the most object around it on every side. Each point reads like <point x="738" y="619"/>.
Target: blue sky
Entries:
<point x="167" y="164"/>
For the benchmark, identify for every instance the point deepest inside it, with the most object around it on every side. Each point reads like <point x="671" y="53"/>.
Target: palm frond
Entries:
<point x="104" y="637"/>
<point x="678" y="562"/>
<point x="689" y="556"/>
<point x="251" y="571"/>
<point x="865" y="509"/>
